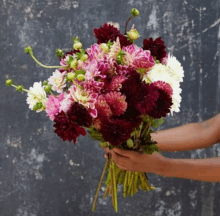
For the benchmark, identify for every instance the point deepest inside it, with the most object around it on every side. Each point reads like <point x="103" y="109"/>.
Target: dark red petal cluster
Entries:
<point x="109" y="33"/>
<point x="83" y="118"/>
<point x="68" y="125"/>
<point x="163" y="104"/>
<point x="157" y="47"/>
<point x="116" y="131"/>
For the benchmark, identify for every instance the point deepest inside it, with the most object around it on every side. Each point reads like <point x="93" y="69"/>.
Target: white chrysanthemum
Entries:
<point x="163" y="73"/>
<point x="57" y="81"/>
<point x="66" y="102"/>
<point x="36" y="94"/>
<point x="176" y="67"/>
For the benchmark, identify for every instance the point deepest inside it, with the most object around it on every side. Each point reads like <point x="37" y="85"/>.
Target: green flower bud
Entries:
<point x="9" y="82"/>
<point x="74" y="64"/>
<point x="59" y="53"/>
<point x="84" y="58"/>
<point x="19" y="88"/>
<point x="130" y="143"/>
<point x="28" y="50"/>
<point x="77" y="46"/>
<point x="47" y="88"/>
<point x="37" y="106"/>
<point x="71" y="76"/>
<point x="134" y="12"/>
<point x="104" y="47"/>
<point x="133" y="34"/>
<point x="141" y="70"/>
<point x="45" y="82"/>
<point x="80" y="77"/>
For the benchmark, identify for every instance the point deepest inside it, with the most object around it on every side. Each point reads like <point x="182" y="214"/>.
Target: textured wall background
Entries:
<point x="42" y="176"/>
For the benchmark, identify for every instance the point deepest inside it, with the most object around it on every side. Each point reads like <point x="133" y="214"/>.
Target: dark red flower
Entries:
<point x="68" y="125"/>
<point x="157" y="47"/>
<point x="109" y="33"/>
<point x="116" y="131"/>
<point x="163" y="104"/>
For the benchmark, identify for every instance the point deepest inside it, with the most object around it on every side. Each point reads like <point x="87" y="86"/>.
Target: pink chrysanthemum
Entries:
<point x="164" y="86"/>
<point x="117" y="102"/>
<point x="95" y="52"/>
<point x="116" y="83"/>
<point x="103" y="107"/>
<point x="137" y="57"/>
<point x="86" y="98"/>
<point x="53" y="105"/>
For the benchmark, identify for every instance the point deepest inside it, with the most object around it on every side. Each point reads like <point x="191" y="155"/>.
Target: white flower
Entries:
<point x="66" y="102"/>
<point x="36" y="94"/>
<point x="176" y="67"/>
<point x="58" y="81"/>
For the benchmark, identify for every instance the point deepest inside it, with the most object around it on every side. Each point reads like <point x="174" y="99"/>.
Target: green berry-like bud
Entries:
<point x="84" y="58"/>
<point x="47" y="88"/>
<point x="134" y="12"/>
<point x="133" y="34"/>
<point x="104" y="47"/>
<point x="77" y="46"/>
<point x="130" y="143"/>
<point x="28" y="50"/>
<point x="71" y="76"/>
<point x="80" y="77"/>
<point x="45" y="82"/>
<point x="19" y="88"/>
<point x="37" y="106"/>
<point x="59" y="53"/>
<point x="74" y="64"/>
<point x="9" y="82"/>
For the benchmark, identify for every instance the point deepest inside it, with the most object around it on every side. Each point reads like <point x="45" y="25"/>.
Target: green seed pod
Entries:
<point x="80" y="77"/>
<point x="71" y="76"/>
<point x="134" y="12"/>
<point x="74" y="64"/>
<point x="77" y="46"/>
<point x="9" y="82"/>
<point x="19" y="88"/>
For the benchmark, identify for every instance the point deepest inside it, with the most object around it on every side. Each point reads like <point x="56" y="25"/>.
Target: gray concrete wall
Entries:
<point x="42" y="176"/>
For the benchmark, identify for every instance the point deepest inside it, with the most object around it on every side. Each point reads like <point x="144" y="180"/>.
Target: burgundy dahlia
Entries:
<point x="163" y="104"/>
<point x="109" y="33"/>
<point x="68" y="125"/>
<point x="116" y="131"/>
<point x="157" y="47"/>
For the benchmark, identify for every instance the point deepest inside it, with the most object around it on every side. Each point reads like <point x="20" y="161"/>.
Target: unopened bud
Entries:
<point x="71" y="76"/>
<point x="104" y="47"/>
<point x="45" y="82"/>
<point x="28" y="50"/>
<point x="74" y="64"/>
<point x="9" y="82"/>
<point x="133" y="34"/>
<point x="130" y="143"/>
<point x="47" y="88"/>
<point x="84" y="58"/>
<point x="37" y="106"/>
<point x="19" y="88"/>
<point x="134" y="12"/>
<point x="77" y="46"/>
<point x="59" y="53"/>
<point x="80" y="77"/>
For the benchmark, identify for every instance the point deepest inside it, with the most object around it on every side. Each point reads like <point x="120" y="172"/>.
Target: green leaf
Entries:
<point x="150" y="149"/>
<point x="157" y="122"/>
<point x="96" y="135"/>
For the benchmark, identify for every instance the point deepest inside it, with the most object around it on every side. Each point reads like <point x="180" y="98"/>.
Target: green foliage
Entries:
<point x="96" y="135"/>
<point x="157" y="122"/>
<point x="150" y="149"/>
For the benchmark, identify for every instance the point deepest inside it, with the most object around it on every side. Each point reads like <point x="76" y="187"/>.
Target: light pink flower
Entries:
<point x="53" y="105"/>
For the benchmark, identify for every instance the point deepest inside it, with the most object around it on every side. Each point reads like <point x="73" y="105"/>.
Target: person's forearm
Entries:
<point x="207" y="169"/>
<point x="188" y="137"/>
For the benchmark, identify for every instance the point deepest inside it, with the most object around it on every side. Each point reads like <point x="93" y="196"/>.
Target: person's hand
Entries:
<point x="134" y="161"/>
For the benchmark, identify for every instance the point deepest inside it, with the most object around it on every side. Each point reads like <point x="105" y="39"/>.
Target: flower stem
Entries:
<point x="42" y="65"/>
<point x="100" y="183"/>
<point x="114" y="194"/>
<point x="127" y="23"/>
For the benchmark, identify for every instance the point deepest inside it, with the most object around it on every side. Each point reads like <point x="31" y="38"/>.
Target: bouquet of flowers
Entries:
<point x="114" y="90"/>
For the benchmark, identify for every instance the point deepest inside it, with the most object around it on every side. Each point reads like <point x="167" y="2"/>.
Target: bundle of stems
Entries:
<point x="130" y="181"/>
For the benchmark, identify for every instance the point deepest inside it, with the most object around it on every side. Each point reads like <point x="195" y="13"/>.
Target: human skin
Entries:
<point x="183" y="138"/>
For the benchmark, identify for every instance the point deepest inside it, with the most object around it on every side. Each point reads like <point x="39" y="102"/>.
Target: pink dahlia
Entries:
<point x="117" y="102"/>
<point x="53" y="105"/>
<point x="95" y="52"/>
<point x="103" y="107"/>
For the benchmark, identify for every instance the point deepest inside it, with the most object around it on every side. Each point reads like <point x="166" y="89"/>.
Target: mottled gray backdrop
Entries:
<point x="42" y="176"/>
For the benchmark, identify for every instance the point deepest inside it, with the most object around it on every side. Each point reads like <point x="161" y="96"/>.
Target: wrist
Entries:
<point x="164" y="167"/>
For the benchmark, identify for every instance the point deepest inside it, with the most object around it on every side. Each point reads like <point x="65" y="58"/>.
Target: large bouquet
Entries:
<point x="116" y="91"/>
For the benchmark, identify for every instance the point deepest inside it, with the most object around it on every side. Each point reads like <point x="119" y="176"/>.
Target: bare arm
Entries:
<point x="207" y="169"/>
<point x="190" y="136"/>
